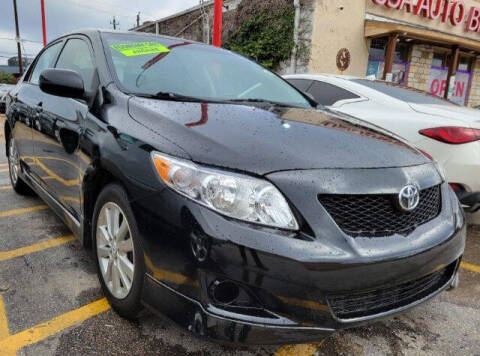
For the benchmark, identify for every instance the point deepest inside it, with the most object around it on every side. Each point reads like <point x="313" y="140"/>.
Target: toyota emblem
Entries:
<point x="409" y="197"/>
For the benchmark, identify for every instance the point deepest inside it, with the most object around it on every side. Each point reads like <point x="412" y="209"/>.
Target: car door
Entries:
<point x="59" y="127"/>
<point x="25" y="99"/>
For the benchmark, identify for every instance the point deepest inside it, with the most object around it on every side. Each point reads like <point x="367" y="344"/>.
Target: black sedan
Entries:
<point x="212" y="191"/>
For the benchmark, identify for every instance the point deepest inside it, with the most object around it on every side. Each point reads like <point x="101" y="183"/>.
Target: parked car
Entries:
<point x="446" y="131"/>
<point x="4" y="89"/>
<point x="221" y="198"/>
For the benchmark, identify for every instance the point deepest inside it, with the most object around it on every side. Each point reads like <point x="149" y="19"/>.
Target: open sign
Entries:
<point x="458" y="90"/>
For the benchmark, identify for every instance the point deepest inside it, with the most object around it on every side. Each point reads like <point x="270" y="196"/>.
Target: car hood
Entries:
<point x="261" y="141"/>
<point x="467" y="116"/>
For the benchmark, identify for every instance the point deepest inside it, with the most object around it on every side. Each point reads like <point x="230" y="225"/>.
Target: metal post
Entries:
<point x="19" y="49"/>
<point x="44" y="27"/>
<point x="296" y="29"/>
<point x="452" y="70"/>
<point x="217" y="23"/>
<point x="390" y="54"/>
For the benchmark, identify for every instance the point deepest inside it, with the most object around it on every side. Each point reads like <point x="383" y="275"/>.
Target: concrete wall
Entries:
<point x="339" y="24"/>
<point x="475" y="90"/>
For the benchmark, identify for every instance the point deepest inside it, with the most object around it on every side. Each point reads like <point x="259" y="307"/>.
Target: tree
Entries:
<point x="7" y="78"/>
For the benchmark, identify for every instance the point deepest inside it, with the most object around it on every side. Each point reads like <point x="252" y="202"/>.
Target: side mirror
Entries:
<point x="62" y="82"/>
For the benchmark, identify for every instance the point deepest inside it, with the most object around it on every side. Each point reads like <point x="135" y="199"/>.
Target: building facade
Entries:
<point x="431" y="45"/>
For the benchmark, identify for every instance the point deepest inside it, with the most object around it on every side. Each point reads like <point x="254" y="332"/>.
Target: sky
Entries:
<point x="63" y="16"/>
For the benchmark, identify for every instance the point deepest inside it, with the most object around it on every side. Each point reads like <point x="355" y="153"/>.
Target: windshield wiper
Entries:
<point x="262" y="101"/>
<point x="162" y="95"/>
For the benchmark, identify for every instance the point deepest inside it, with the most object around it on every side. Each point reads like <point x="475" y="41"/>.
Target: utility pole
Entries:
<point x="138" y="19"/>
<point x="44" y="27"/>
<point x="217" y="23"/>
<point x="19" y="49"/>
<point x="114" y="22"/>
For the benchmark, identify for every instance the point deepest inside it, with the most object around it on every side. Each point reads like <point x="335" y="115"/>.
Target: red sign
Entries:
<point x="453" y="11"/>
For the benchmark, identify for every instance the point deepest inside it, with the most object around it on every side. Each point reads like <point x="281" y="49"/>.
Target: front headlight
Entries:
<point x="234" y="195"/>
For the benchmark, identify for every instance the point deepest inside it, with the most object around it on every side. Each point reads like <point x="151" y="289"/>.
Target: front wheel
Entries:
<point x="118" y="252"/>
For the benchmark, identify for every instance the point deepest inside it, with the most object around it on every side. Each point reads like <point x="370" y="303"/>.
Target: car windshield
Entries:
<point x="151" y="65"/>
<point x="408" y="95"/>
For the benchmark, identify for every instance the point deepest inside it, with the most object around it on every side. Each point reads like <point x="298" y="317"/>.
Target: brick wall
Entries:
<point x="420" y="63"/>
<point x="475" y="91"/>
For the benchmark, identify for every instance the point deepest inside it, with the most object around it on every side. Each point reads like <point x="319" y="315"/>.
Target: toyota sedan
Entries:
<point x="212" y="191"/>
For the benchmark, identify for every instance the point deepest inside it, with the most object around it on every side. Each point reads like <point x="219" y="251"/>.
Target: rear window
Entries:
<point x="329" y="94"/>
<point x="408" y="95"/>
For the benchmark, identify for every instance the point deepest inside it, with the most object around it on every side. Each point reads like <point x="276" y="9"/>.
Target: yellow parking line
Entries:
<point x="40" y="332"/>
<point x="470" y="267"/>
<point x="308" y="304"/>
<point x="299" y="350"/>
<point x="5" y="187"/>
<point x="70" y="199"/>
<point x="4" y="330"/>
<point x="27" y="250"/>
<point x="4" y="214"/>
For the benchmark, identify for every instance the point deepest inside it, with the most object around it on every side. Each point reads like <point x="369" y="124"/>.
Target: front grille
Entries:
<point x="370" y="303"/>
<point x="378" y="215"/>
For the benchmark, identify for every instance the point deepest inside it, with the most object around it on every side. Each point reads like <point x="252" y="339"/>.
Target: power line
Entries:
<point x="21" y="40"/>
<point x="124" y="11"/>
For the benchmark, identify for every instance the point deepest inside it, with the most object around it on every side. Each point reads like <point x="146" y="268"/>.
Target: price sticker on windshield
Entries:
<point x="133" y="49"/>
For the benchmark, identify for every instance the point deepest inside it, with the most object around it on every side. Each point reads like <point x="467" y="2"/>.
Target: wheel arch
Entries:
<point x="94" y="181"/>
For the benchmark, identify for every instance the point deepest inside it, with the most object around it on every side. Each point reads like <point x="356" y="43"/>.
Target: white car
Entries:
<point x="445" y="131"/>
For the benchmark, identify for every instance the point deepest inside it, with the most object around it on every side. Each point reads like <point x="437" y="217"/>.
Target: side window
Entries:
<point x="328" y="94"/>
<point x="300" y="84"/>
<point x="76" y="56"/>
<point x="45" y="61"/>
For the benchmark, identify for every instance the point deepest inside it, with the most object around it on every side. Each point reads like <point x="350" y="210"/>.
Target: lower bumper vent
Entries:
<point x="370" y="303"/>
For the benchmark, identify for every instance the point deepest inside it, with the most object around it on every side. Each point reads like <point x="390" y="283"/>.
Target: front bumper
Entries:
<point x="288" y="277"/>
<point x="290" y="312"/>
<point x="281" y="284"/>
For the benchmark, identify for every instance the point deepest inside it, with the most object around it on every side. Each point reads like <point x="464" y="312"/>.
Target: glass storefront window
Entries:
<point x="376" y="60"/>
<point x="439" y="60"/>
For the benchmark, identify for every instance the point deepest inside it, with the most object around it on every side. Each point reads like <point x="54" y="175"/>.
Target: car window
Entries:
<point x="328" y="94"/>
<point x="45" y="61"/>
<point x="76" y="56"/>
<point x="149" y="65"/>
<point x="408" y="95"/>
<point x="300" y="84"/>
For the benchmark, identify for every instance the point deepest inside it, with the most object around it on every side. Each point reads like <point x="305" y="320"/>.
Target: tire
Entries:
<point x="113" y="246"/>
<point x="18" y="184"/>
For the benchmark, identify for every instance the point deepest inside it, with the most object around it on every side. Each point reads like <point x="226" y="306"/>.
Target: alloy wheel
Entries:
<point x="13" y="161"/>
<point x="115" y="250"/>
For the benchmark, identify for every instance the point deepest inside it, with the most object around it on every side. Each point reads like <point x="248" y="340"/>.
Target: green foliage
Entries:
<point x="266" y="37"/>
<point x="7" y="78"/>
